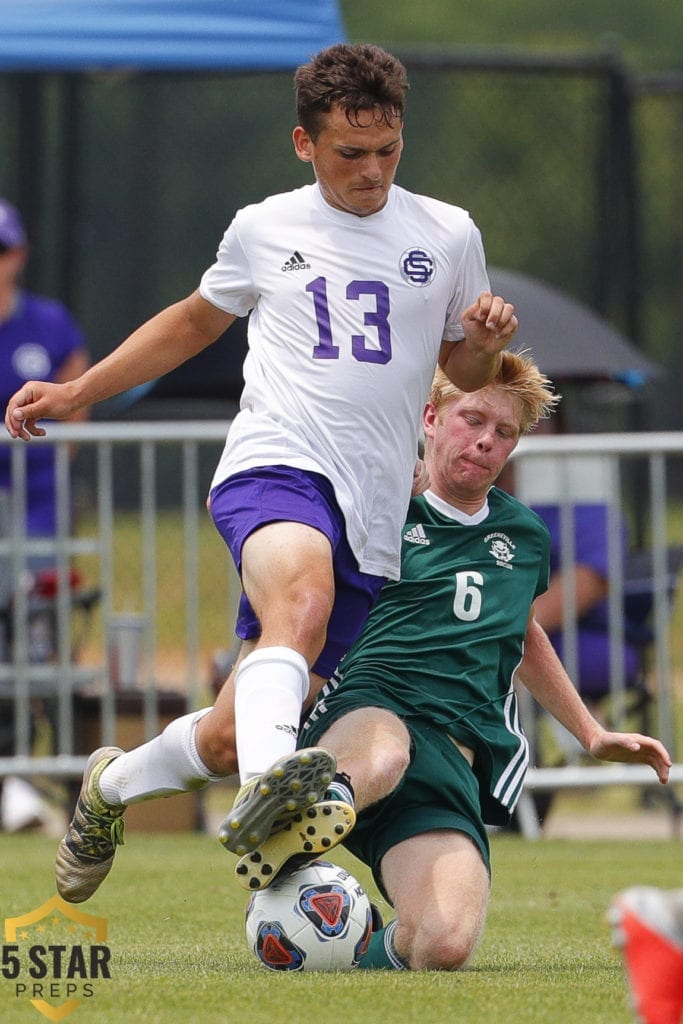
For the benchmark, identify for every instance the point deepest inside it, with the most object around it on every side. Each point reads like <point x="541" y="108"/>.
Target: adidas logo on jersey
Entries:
<point x="416" y="535"/>
<point x="296" y="262"/>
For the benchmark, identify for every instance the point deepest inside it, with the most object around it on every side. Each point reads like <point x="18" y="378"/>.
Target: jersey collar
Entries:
<point x="451" y="512"/>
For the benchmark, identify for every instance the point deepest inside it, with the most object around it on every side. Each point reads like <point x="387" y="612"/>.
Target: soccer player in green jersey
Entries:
<point x="422" y="714"/>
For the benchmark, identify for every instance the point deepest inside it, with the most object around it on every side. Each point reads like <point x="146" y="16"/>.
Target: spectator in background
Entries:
<point x="38" y="338"/>
<point x="591" y="525"/>
<point x="591" y="597"/>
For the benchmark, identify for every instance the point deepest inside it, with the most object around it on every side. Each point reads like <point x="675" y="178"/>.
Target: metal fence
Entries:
<point x="139" y="558"/>
<point x="141" y="597"/>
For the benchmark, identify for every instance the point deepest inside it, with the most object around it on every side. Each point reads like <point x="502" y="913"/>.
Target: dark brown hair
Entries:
<point x="357" y="78"/>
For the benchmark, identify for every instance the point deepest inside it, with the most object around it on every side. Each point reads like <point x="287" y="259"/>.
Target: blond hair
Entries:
<point x="519" y="376"/>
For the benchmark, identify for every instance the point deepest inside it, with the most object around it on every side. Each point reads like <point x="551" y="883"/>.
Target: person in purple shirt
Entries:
<point x="591" y="580"/>
<point x="38" y="338"/>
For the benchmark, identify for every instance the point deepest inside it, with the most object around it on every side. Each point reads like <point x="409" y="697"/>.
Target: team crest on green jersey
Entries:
<point x="502" y="548"/>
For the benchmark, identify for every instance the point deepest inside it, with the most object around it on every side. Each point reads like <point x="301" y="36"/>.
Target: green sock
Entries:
<point x="381" y="954"/>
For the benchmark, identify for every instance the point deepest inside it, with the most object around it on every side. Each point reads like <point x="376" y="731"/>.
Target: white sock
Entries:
<point x="271" y="685"/>
<point x="166" y="765"/>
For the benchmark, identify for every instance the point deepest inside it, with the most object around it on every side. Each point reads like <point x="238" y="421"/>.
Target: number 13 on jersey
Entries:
<point x="373" y="349"/>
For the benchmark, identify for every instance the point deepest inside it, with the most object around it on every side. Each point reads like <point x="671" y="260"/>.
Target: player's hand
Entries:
<point x="420" y="478"/>
<point x="632" y="748"/>
<point x="34" y="401"/>
<point x="489" y="323"/>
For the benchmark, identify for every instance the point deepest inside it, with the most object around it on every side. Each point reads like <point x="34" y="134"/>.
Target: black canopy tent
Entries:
<point x="568" y="339"/>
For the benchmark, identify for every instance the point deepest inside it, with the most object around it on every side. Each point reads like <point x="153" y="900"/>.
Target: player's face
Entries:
<point x="470" y="442"/>
<point x="11" y="265"/>
<point x="354" y="164"/>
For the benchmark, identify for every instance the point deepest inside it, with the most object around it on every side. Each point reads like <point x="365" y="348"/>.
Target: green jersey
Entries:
<point x="443" y="643"/>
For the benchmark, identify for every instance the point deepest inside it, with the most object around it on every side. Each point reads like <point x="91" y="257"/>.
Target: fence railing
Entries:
<point x="628" y="475"/>
<point x="140" y="561"/>
<point x="131" y="590"/>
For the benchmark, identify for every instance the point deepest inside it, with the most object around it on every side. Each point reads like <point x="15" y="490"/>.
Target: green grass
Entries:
<point x="175" y="917"/>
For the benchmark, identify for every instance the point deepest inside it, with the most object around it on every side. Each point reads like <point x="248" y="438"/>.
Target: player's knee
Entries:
<point x="392" y="763"/>
<point x="312" y="609"/>
<point x="441" y="948"/>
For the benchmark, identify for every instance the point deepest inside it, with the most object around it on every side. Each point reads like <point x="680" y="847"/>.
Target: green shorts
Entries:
<point x="438" y="791"/>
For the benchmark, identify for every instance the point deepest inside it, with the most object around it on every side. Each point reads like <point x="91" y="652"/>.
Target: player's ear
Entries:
<point x="303" y="144"/>
<point x="429" y="416"/>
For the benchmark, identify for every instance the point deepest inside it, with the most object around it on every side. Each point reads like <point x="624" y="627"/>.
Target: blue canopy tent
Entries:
<point x="169" y="35"/>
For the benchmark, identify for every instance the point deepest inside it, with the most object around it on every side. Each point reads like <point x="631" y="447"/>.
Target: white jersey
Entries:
<point x="347" y="316"/>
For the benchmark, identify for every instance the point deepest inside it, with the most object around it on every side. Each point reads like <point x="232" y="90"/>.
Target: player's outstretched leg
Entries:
<point x="647" y="925"/>
<point x="266" y="803"/>
<point x="308" y="834"/>
<point x="86" y="853"/>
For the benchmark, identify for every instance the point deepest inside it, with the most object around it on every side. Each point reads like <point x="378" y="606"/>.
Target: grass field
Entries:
<point x="175" y="919"/>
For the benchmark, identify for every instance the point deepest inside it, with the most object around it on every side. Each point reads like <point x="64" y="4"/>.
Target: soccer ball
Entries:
<point x="315" y="919"/>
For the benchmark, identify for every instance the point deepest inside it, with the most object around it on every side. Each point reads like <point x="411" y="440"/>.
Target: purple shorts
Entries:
<point x="268" y="494"/>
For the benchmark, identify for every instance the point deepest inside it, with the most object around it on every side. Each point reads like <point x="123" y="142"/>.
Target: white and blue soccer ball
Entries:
<point x="315" y="919"/>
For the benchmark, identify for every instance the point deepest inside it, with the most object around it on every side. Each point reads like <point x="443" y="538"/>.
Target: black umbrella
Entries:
<point x="568" y="339"/>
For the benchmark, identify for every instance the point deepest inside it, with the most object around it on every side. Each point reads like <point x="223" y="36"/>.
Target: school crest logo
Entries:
<point x="417" y="266"/>
<point x="501" y="549"/>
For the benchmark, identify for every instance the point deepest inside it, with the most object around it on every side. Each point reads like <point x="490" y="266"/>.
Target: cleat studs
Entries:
<point x="255" y="857"/>
<point x="311" y="813"/>
<point x="339" y="830"/>
<point x="254" y="883"/>
<point x="295" y="786"/>
<point x="308" y="846"/>
<point x="267" y="869"/>
<point x="291" y="805"/>
<point x="298" y="818"/>
<point x="241" y="869"/>
<point x="327" y="810"/>
<point x="310" y="831"/>
<point x="326" y="842"/>
<point x="235" y="824"/>
<point x="264" y="789"/>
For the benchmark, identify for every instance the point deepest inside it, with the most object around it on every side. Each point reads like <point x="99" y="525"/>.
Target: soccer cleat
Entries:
<point x="266" y="804"/>
<point x="647" y="925"/>
<point x="86" y="853"/>
<point x="308" y="834"/>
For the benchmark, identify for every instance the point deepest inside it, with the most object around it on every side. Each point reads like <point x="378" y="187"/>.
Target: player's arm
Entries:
<point x="544" y="676"/>
<point x="154" y="349"/>
<point x="75" y="365"/>
<point x="488" y="325"/>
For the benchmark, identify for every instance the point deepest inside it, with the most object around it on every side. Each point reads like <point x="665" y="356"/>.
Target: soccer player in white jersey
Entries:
<point x="355" y="289"/>
<point x="422" y="712"/>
